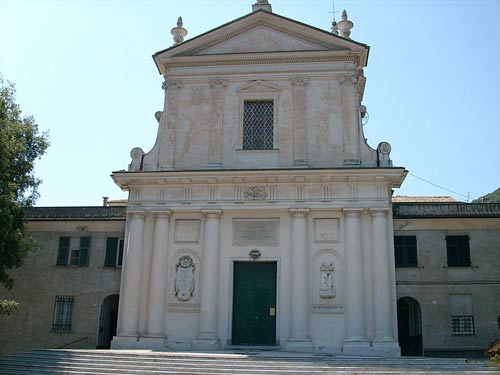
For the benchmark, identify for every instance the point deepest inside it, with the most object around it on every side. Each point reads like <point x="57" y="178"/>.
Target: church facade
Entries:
<point x="260" y="217"/>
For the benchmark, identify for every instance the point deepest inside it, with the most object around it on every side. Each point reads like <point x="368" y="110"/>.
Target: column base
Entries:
<point x="386" y="348"/>
<point x="125" y="342"/>
<point x="202" y="343"/>
<point x="154" y="343"/>
<point x="299" y="345"/>
<point x="357" y="347"/>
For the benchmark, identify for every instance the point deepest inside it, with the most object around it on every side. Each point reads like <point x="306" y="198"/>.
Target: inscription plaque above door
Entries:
<point x="255" y="231"/>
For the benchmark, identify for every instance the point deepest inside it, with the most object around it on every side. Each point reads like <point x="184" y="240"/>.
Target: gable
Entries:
<point x="261" y="32"/>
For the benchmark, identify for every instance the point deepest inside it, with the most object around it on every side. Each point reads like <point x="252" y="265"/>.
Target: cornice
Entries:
<point x="252" y="59"/>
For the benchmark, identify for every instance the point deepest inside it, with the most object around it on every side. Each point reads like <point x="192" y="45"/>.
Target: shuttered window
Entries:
<point x="63" y="252"/>
<point x="114" y="252"/>
<point x="458" y="252"/>
<point x="405" y="251"/>
<point x="73" y="251"/>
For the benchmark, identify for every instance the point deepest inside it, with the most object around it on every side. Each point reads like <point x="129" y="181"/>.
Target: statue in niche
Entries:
<point x="326" y="283"/>
<point x="184" y="278"/>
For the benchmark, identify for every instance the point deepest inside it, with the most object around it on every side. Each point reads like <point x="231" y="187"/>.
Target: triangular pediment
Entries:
<point x="261" y="32"/>
<point x="259" y="86"/>
<point x="263" y="38"/>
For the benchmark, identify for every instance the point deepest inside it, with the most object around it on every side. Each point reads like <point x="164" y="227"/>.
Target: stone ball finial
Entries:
<point x="345" y="26"/>
<point x="179" y="32"/>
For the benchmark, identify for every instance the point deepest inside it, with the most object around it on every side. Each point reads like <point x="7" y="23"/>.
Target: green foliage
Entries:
<point x="493" y="197"/>
<point x="493" y="351"/>
<point x="20" y="145"/>
<point x="6" y="306"/>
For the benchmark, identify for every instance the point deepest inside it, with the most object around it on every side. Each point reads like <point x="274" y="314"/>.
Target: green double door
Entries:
<point x="254" y="303"/>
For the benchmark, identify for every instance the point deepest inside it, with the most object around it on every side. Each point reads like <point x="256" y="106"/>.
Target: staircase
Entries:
<point x="97" y="362"/>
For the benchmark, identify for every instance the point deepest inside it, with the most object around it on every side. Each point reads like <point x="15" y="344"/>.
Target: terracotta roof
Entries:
<point x="423" y="199"/>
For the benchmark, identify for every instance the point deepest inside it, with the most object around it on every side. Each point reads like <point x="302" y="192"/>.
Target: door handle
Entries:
<point x="272" y="311"/>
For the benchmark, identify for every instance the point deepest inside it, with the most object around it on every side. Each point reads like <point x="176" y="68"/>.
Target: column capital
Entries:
<point x="379" y="211"/>
<point x="163" y="213"/>
<point x="138" y="214"/>
<point x="211" y="213"/>
<point x="299" y="211"/>
<point x="353" y="211"/>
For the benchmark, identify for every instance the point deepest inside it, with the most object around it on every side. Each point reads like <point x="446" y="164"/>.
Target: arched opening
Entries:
<point x="108" y="321"/>
<point x="409" y="327"/>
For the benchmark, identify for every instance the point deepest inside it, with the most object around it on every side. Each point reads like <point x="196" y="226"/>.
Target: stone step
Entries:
<point x="107" y="362"/>
<point x="173" y="356"/>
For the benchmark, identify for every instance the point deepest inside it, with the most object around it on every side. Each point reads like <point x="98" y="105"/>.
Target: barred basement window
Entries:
<point x="405" y="251"/>
<point x="63" y="314"/>
<point x="462" y="325"/>
<point x="114" y="252"/>
<point x="258" y="123"/>
<point x="458" y="251"/>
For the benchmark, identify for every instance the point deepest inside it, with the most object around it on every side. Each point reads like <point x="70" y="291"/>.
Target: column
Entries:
<point x="355" y="341"/>
<point x="131" y="271"/>
<point x="299" y="338"/>
<point x="158" y="276"/>
<point x="384" y="342"/>
<point x="207" y="339"/>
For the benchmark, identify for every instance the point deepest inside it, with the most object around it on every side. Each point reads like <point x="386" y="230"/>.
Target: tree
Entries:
<point x="20" y="145"/>
<point x="492" y="197"/>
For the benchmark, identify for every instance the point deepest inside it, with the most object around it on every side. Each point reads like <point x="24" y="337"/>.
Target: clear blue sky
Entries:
<point x="84" y="70"/>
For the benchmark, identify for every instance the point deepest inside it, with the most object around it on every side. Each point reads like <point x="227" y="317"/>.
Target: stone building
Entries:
<point x="261" y="218"/>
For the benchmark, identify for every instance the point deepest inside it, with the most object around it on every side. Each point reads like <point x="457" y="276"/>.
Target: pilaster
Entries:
<point x="350" y="119"/>
<point x="215" y="121"/>
<point x="355" y="341"/>
<point x="384" y="342"/>
<point x="299" y="87"/>
<point x="299" y="339"/>
<point x="158" y="276"/>
<point x="207" y="338"/>
<point x="131" y="271"/>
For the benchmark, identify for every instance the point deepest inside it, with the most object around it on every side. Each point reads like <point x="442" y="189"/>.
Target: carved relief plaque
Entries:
<point x="255" y="231"/>
<point x="327" y="281"/>
<point x="184" y="278"/>
<point x="187" y="231"/>
<point x="326" y="230"/>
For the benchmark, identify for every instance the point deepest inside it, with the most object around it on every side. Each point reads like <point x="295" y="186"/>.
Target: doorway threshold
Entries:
<point x="253" y="347"/>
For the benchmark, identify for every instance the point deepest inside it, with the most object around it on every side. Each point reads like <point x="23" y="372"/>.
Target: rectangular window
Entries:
<point x="462" y="314"/>
<point x="458" y="252"/>
<point x="258" y="123"/>
<point x="63" y="314"/>
<point x="73" y="251"/>
<point x="462" y="325"/>
<point x="114" y="252"/>
<point x="405" y="251"/>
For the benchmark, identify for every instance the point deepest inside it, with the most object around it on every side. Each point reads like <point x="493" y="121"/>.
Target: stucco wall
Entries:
<point x="40" y="280"/>
<point x="432" y="282"/>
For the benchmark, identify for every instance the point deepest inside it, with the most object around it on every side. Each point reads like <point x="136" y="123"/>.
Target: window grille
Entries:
<point x="405" y="248"/>
<point x="258" y="122"/>
<point x="458" y="251"/>
<point x="462" y="325"/>
<point x="63" y="314"/>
